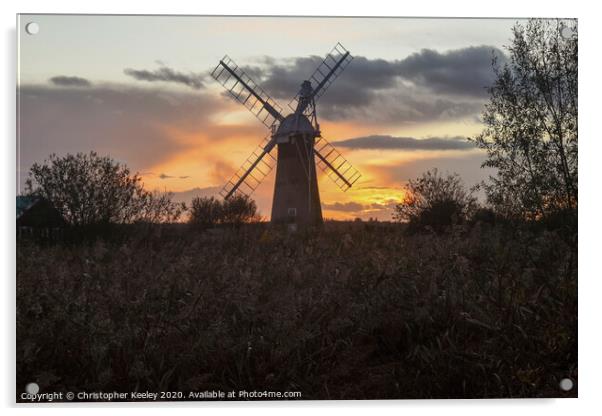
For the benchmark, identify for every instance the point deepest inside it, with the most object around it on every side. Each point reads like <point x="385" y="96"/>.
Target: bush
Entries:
<point x="484" y="216"/>
<point x="435" y="201"/>
<point x="440" y="215"/>
<point x="207" y="212"/>
<point x="239" y="209"/>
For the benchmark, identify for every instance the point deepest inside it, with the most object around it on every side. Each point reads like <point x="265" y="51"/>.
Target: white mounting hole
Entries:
<point x="32" y="28"/>
<point x="566" y="32"/>
<point x="566" y="384"/>
<point x="32" y="388"/>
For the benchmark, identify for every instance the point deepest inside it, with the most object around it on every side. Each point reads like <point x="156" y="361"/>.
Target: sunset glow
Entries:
<point x="158" y="111"/>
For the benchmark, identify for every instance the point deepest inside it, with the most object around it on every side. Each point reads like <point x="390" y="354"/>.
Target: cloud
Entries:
<point x="283" y="79"/>
<point x="222" y="171"/>
<point x="403" y="106"/>
<point x="188" y="195"/>
<point x="139" y="126"/>
<point x="377" y="188"/>
<point x="406" y="143"/>
<point x="387" y="205"/>
<point x="467" y="165"/>
<point x="67" y="81"/>
<point x="425" y="86"/>
<point x="344" y="206"/>
<point x="166" y="74"/>
<point x="351" y="209"/>
<point x="166" y="176"/>
<point x="466" y="71"/>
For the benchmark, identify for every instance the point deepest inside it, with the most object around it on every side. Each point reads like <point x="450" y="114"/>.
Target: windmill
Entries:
<point x="298" y="140"/>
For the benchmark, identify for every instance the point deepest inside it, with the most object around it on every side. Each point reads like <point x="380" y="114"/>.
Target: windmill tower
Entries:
<point x="297" y="138"/>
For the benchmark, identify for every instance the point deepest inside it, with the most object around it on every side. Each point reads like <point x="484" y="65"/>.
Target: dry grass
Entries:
<point x="354" y="311"/>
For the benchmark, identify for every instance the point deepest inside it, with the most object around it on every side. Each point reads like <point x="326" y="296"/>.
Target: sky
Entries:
<point x="137" y="88"/>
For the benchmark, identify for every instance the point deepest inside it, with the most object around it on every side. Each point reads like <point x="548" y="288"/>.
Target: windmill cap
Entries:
<point x="306" y="89"/>
<point x="295" y="124"/>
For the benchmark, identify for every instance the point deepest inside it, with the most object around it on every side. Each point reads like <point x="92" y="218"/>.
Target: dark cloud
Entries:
<point x="361" y="79"/>
<point x="406" y="143"/>
<point x="134" y="125"/>
<point x="66" y="81"/>
<point x="284" y="79"/>
<point x="465" y="71"/>
<point x="166" y="74"/>
<point x="402" y="106"/>
<point x="424" y="86"/>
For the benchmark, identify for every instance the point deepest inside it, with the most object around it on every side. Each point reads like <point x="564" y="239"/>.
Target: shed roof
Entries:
<point x="24" y="203"/>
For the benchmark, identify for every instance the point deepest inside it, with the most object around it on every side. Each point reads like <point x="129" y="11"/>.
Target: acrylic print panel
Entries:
<point x="286" y="208"/>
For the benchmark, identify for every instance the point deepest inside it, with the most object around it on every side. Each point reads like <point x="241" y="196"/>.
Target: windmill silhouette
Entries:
<point x="297" y="137"/>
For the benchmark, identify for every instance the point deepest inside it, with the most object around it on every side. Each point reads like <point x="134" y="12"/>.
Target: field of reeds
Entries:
<point x="352" y="311"/>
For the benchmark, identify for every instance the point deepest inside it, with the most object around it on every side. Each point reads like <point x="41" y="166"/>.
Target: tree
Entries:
<point x="531" y="123"/>
<point x="89" y="189"/>
<point x="435" y="200"/>
<point x="208" y="211"/>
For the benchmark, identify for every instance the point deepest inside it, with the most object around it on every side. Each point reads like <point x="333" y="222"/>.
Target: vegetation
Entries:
<point x="436" y="201"/>
<point x="207" y="212"/>
<point x="531" y="124"/>
<point x="476" y="302"/>
<point x="356" y="310"/>
<point x="88" y="189"/>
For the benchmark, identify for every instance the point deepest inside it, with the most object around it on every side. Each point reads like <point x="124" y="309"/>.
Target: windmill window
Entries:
<point x="292" y="212"/>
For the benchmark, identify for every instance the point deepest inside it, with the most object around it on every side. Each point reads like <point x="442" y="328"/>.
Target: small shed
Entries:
<point x="36" y="216"/>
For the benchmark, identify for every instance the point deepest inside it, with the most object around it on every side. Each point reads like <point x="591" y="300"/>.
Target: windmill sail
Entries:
<point x="338" y="169"/>
<point x="247" y="92"/>
<point x="257" y="166"/>
<point x="331" y="67"/>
